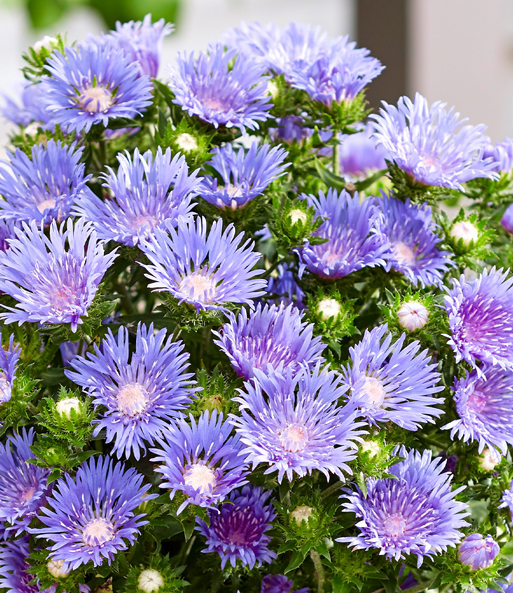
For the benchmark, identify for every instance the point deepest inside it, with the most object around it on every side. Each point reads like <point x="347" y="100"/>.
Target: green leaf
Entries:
<point x="295" y="562"/>
<point x="365" y="183"/>
<point x="329" y="178"/>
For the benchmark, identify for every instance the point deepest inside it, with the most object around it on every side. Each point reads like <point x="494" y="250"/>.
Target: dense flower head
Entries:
<point x="141" y="393"/>
<point x="237" y="529"/>
<point x="92" y="85"/>
<point x="245" y="175"/>
<point x="389" y="381"/>
<point x="23" y="486"/>
<point x="8" y="363"/>
<point x="272" y="336"/>
<point x="45" y="186"/>
<point x="351" y="229"/>
<point x="485" y="409"/>
<point x="32" y="109"/>
<point x="431" y="145"/>
<point x="293" y="423"/>
<point x="477" y="551"/>
<point x="360" y="154"/>
<point x="285" y="287"/>
<point x="414" y="513"/>
<point x="55" y="278"/>
<point x="221" y="88"/>
<point x="14" y="577"/>
<point x="410" y="235"/>
<point x="203" y="460"/>
<point x="480" y="314"/>
<point x="91" y="517"/>
<point x="145" y="193"/>
<point x="206" y="270"/>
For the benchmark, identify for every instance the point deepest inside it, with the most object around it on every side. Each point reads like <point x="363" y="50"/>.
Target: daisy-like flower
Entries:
<point x="23" y="486"/>
<point x="145" y="193"/>
<point x="392" y="382"/>
<point x="293" y="423"/>
<point x="485" y="409"/>
<point x="411" y="235"/>
<point x="480" y="314"/>
<point x="44" y="187"/>
<point x="245" y="175"/>
<point x="221" y="88"/>
<point x="92" y="85"/>
<point x="271" y="337"/>
<point x="477" y="551"/>
<point x="414" y="513"/>
<point x="201" y="459"/>
<point x="360" y="155"/>
<point x="92" y="517"/>
<point x="141" y="393"/>
<point x="53" y="279"/>
<point x="351" y="229"/>
<point x="204" y="270"/>
<point x="8" y="363"/>
<point x="431" y="145"/>
<point x="237" y="529"/>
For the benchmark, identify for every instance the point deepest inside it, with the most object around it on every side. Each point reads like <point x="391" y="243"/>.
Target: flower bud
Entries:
<point x="272" y="89"/>
<point x="46" y="43"/>
<point x="150" y="580"/>
<point x="465" y="231"/>
<point x="413" y="315"/>
<point x="276" y="583"/>
<point x="328" y="308"/>
<point x="186" y="142"/>
<point x="478" y="552"/>
<point x="301" y="513"/>
<point x="55" y="569"/>
<point x="488" y="459"/>
<point x="64" y="406"/>
<point x="372" y="447"/>
<point x="297" y="215"/>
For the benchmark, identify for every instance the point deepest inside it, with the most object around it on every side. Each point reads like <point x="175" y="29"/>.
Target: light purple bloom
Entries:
<point x="7" y="233"/>
<point x="477" y="551"/>
<point x="32" y="109"/>
<point x="8" y="363"/>
<point x="289" y="130"/>
<point x="277" y="583"/>
<point x="360" y="154"/>
<point x="502" y="154"/>
<point x="285" y="287"/>
<point x="507" y="219"/>
<point x="507" y="499"/>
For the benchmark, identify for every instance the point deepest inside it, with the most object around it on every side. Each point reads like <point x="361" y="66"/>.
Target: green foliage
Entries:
<point x="36" y="57"/>
<point x="217" y="392"/>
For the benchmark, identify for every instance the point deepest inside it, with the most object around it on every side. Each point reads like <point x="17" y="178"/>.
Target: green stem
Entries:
<point x="273" y="267"/>
<point x="332" y="489"/>
<point x="319" y="568"/>
<point x="336" y="158"/>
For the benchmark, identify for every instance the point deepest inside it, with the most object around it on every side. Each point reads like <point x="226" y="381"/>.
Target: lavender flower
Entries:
<point x="297" y="426"/>
<point x="507" y="219"/>
<point x="481" y="319"/>
<point x="507" y="499"/>
<point x="7" y="233"/>
<point x="93" y="85"/>
<point x="206" y="271"/>
<point x="478" y="552"/>
<point x="14" y="577"/>
<point x="411" y="235"/>
<point x="237" y="529"/>
<point x="141" y="393"/>
<point x="245" y="175"/>
<point x="53" y="279"/>
<point x="220" y="93"/>
<point x="8" y="363"/>
<point x="360" y="155"/>
<point x="502" y="155"/>
<point x="45" y="187"/>
<point x="431" y="145"/>
<point x="285" y="287"/>
<point x="393" y="382"/>
<point x="351" y="230"/>
<point x="414" y="513"/>
<point x="277" y="583"/>
<point x="146" y="192"/>
<point x="91" y="516"/>
<point x="201" y="460"/>
<point x="31" y="111"/>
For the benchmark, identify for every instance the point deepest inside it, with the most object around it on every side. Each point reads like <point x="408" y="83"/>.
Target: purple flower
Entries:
<point x="7" y="233"/>
<point x="360" y="154"/>
<point x="272" y="337"/>
<point x="507" y="219"/>
<point x="478" y="552"/>
<point x="207" y="271"/>
<point x="502" y="154"/>
<point x="146" y="192"/>
<point x="8" y="363"/>
<point x="393" y="382"/>
<point x="90" y="517"/>
<point x="289" y="130"/>
<point x="431" y="145"/>
<point x="293" y="423"/>
<point x="141" y="393"/>
<point x="481" y="319"/>
<point x="237" y="529"/>
<point x="23" y="486"/>
<point x="409" y="231"/>
<point x="507" y="499"/>
<point x="201" y="460"/>
<point x="221" y="88"/>
<point x="53" y="279"/>
<point x="32" y="109"/>
<point x="245" y="175"/>
<point x="93" y="85"/>
<point x="277" y="583"/>
<point x="285" y="287"/>
<point x="351" y="229"/>
<point x="45" y="187"/>
<point x="414" y="513"/>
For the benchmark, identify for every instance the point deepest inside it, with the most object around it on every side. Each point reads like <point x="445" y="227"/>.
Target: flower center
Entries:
<point x="404" y="254"/>
<point x="46" y="204"/>
<point x="198" y="286"/>
<point x="215" y="104"/>
<point x="144" y="220"/>
<point x="294" y="438"/>
<point x="61" y="298"/>
<point x="477" y="401"/>
<point x="97" y="532"/>
<point x="200" y="477"/>
<point x="233" y="191"/>
<point x="27" y="494"/>
<point x="394" y="525"/>
<point x="96" y="99"/>
<point x="132" y="399"/>
<point x="373" y="389"/>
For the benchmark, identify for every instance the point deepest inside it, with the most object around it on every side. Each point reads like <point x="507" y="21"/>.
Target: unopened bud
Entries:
<point x="272" y="89"/>
<point x="296" y="215"/>
<point x="413" y="315"/>
<point x="372" y="447"/>
<point x="150" y="580"/>
<point x="46" y="43"/>
<point x="478" y="552"/>
<point x="55" y="568"/>
<point x="465" y="231"/>
<point x="488" y="459"/>
<point x="301" y="513"/>
<point x="64" y="406"/>
<point x="186" y="142"/>
<point x="328" y="308"/>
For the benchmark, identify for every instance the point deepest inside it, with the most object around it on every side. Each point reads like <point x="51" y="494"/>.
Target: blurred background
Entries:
<point x="457" y="51"/>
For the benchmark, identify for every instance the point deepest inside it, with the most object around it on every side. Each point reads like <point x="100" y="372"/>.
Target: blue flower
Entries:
<point x="289" y="130"/>
<point x="413" y="513"/>
<point x="272" y="337"/>
<point x="93" y="85"/>
<point x="431" y="145"/>
<point x="245" y="175"/>
<point x="237" y="529"/>
<point x="146" y="192"/>
<point x="285" y="287"/>
<point x="393" y="382"/>
<point x="221" y="88"/>
<point x="53" y="279"/>
<point x="293" y="423"/>
<point x="141" y="393"/>
<point x="201" y="460"/>
<point x="44" y="187"/>
<point x="478" y="552"/>
<point x="92" y="517"/>
<point x="409" y="231"/>
<point x="351" y="229"/>
<point x="360" y="155"/>
<point x="8" y="363"/>
<point x="207" y="271"/>
<point x="7" y="232"/>
<point x="502" y="154"/>
<point x="277" y="583"/>
<point x="31" y="111"/>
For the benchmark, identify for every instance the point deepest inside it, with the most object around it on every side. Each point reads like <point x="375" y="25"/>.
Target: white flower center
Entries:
<point x="465" y="231"/>
<point x="477" y="401"/>
<point x="413" y="316"/>
<point x="147" y="220"/>
<point x="215" y="104"/>
<point x="404" y="254"/>
<point x="394" y="525"/>
<point x="46" y="204"/>
<point x="198" y="286"/>
<point x="373" y="389"/>
<point x="328" y="308"/>
<point x="301" y="513"/>
<point x="233" y="191"/>
<point x="132" y="399"/>
<point x="64" y="406"/>
<point x="61" y="298"/>
<point x="150" y="580"/>
<point x="97" y="532"/>
<point x="55" y="568"/>
<point x="27" y="494"/>
<point x="296" y="215"/>
<point x="294" y="438"/>
<point x="488" y="459"/>
<point x="96" y="99"/>
<point x="200" y="477"/>
<point x="186" y="142"/>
